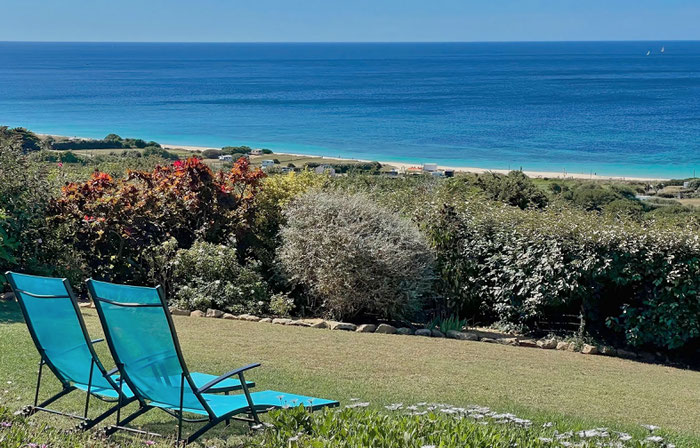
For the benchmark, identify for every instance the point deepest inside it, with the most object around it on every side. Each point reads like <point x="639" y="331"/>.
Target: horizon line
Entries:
<point x="345" y="41"/>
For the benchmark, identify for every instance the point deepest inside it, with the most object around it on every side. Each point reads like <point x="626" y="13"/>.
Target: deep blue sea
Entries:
<point x="603" y="107"/>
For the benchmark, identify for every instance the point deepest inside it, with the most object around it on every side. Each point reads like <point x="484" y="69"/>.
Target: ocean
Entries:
<point x="586" y="107"/>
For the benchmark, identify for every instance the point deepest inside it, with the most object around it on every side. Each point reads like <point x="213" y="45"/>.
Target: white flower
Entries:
<point x="651" y="428"/>
<point x="654" y="439"/>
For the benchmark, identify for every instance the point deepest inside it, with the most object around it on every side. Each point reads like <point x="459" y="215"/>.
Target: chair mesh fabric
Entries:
<point x="58" y="329"/>
<point x="143" y="342"/>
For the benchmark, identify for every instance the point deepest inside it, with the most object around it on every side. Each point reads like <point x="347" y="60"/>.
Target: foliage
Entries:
<point x="158" y="151"/>
<point x="452" y="322"/>
<point x="111" y="141"/>
<point x="232" y="150"/>
<point x="281" y="304"/>
<point x="19" y="139"/>
<point x="113" y="221"/>
<point x="365" y="428"/>
<point x="518" y="267"/>
<point x="210" y="276"/>
<point x="351" y="167"/>
<point x="276" y="193"/>
<point x="514" y="188"/>
<point x="211" y="153"/>
<point x="24" y="197"/>
<point x="352" y="257"/>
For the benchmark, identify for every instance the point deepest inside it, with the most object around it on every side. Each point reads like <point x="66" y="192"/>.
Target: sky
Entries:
<point x="347" y="20"/>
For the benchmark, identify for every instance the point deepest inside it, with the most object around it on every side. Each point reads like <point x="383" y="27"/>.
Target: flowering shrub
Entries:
<point x="352" y="256"/>
<point x="210" y="276"/>
<point x="111" y="222"/>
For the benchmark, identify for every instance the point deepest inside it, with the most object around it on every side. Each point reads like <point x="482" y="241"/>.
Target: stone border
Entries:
<point x="515" y="341"/>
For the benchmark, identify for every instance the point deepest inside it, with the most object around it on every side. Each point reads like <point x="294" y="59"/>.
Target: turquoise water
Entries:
<point x="596" y="107"/>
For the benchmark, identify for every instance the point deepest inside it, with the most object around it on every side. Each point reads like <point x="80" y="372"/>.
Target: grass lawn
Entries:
<point x="542" y="385"/>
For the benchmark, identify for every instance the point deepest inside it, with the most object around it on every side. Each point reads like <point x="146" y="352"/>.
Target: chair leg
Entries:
<point x="89" y="424"/>
<point x="122" y="424"/>
<point x="33" y="409"/>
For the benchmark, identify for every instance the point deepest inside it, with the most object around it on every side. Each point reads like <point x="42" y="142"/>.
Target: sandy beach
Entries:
<point x="463" y="169"/>
<point x="406" y="165"/>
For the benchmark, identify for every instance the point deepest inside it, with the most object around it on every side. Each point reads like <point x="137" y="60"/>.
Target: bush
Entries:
<point x="210" y="276"/>
<point x="515" y="189"/>
<point x="157" y="151"/>
<point x="636" y="284"/>
<point x="19" y="139"/>
<point x="277" y="191"/>
<point x="353" y="257"/>
<point x="113" y="222"/>
<point x="211" y="153"/>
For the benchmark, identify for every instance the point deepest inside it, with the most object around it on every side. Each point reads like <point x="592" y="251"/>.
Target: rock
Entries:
<point x="423" y="332"/>
<point x="264" y="320"/>
<point x="437" y="333"/>
<point x="548" y="344"/>
<point x="214" y="313"/>
<point x="462" y="335"/>
<point x="385" y="329"/>
<point x="249" y="317"/>
<point x="321" y="324"/>
<point x="7" y="296"/>
<point x="561" y="345"/>
<point x="489" y="340"/>
<point x="197" y="313"/>
<point x="589" y="349"/>
<point x="345" y="326"/>
<point x="608" y="350"/>
<point x="647" y="357"/>
<point x="298" y="323"/>
<point x="404" y="331"/>
<point x="178" y="312"/>
<point x="229" y="316"/>
<point x="366" y="328"/>
<point x="528" y="343"/>
<point x="626" y="354"/>
<point x="509" y="341"/>
<point x="281" y="320"/>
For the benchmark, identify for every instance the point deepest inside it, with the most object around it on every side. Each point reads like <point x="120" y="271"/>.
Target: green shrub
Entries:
<point x="157" y="151"/>
<point x="211" y="153"/>
<point x="515" y="189"/>
<point x="210" y="276"/>
<point x="19" y="139"/>
<point x="354" y="257"/>
<point x="640" y="282"/>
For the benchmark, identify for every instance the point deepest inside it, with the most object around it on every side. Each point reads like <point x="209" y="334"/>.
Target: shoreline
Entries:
<point x="405" y="165"/>
<point x="457" y="169"/>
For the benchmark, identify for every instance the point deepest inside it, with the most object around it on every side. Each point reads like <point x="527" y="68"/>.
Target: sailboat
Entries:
<point x="663" y="49"/>
<point x="648" y="52"/>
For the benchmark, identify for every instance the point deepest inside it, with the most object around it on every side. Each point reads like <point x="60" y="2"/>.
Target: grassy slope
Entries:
<point x="580" y="390"/>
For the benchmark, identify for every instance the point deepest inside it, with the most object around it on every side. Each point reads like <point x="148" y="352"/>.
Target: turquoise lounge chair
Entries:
<point x="141" y="336"/>
<point x="58" y="330"/>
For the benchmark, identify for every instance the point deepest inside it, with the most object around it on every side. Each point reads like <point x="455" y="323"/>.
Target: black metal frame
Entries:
<point x="86" y="423"/>
<point x="251" y="410"/>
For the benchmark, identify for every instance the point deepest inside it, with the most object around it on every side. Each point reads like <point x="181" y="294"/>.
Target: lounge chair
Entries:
<point x="141" y="336"/>
<point x="58" y="330"/>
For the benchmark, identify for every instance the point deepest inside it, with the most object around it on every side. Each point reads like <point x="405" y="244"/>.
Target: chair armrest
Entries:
<point x="95" y="341"/>
<point x="238" y="372"/>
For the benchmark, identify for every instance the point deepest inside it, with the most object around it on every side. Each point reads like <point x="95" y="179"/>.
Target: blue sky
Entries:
<point x="348" y="20"/>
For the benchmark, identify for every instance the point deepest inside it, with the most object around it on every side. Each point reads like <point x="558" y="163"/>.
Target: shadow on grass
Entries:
<point x="10" y="312"/>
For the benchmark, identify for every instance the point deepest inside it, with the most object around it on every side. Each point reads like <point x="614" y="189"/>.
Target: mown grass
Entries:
<point x="576" y="391"/>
